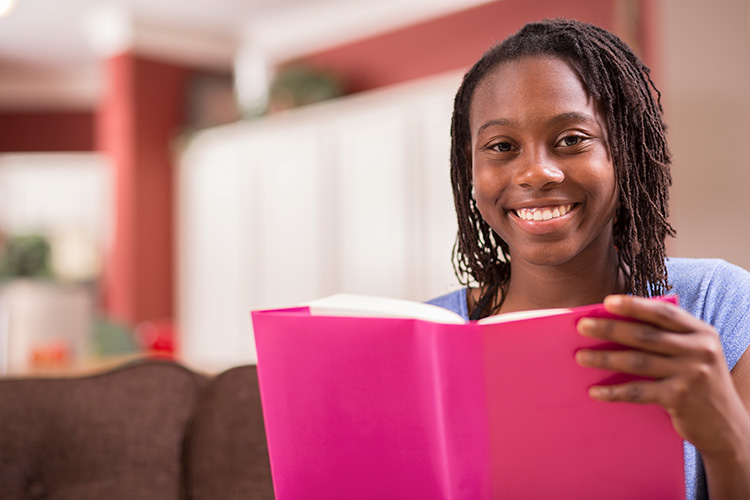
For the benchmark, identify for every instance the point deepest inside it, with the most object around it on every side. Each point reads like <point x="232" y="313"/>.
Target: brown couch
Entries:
<point x="148" y="430"/>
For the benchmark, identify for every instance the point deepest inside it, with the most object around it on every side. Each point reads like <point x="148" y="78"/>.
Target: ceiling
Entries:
<point x="50" y="49"/>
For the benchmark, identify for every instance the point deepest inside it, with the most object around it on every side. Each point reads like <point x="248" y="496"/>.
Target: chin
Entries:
<point x="544" y="258"/>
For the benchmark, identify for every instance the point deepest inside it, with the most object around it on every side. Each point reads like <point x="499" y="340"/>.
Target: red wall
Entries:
<point x="447" y="43"/>
<point x="142" y="110"/>
<point x="46" y="131"/>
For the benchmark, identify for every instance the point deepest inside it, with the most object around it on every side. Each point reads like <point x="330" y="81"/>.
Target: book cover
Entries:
<point x="388" y="406"/>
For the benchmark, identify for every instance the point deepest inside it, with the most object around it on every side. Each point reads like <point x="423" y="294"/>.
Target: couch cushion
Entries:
<point x="227" y="455"/>
<point x="117" y="435"/>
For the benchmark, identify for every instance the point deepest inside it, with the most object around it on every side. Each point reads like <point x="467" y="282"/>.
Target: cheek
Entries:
<point x="488" y="182"/>
<point x="488" y="188"/>
<point x="611" y="187"/>
<point x="483" y="185"/>
<point x="609" y="192"/>
<point x="601" y="177"/>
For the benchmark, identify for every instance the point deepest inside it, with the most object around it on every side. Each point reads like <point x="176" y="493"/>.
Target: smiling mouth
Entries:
<point x="543" y="213"/>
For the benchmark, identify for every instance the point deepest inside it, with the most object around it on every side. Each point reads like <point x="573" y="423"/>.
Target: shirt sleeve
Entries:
<point x="453" y="301"/>
<point x="727" y="308"/>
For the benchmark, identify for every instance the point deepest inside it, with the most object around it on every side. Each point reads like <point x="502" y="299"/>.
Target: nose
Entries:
<point x="537" y="170"/>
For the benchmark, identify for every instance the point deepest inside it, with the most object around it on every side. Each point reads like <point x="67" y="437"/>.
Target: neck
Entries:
<point x="568" y="285"/>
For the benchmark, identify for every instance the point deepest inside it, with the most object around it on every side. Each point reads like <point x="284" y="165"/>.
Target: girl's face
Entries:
<point x="542" y="173"/>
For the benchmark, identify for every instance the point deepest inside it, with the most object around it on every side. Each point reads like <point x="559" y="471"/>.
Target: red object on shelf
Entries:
<point x="50" y="352"/>
<point x="156" y="335"/>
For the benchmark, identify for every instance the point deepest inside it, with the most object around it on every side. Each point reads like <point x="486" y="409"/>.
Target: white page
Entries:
<point x="365" y="306"/>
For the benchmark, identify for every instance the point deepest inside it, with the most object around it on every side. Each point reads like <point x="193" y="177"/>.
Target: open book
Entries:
<point x="363" y="306"/>
<point x="379" y="398"/>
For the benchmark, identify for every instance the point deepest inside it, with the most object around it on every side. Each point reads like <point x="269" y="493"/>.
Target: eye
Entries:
<point x="502" y="147"/>
<point x="572" y="140"/>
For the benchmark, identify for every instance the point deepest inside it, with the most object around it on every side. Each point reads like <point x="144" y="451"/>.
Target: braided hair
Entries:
<point x="621" y="84"/>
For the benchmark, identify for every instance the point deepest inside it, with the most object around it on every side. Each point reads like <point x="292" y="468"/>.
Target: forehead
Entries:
<point x="530" y="88"/>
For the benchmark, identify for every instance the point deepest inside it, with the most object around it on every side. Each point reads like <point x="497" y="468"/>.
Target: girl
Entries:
<point x="560" y="172"/>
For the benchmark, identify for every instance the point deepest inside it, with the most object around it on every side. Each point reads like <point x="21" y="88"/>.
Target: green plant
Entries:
<point x="25" y="256"/>
<point x="298" y="85"/>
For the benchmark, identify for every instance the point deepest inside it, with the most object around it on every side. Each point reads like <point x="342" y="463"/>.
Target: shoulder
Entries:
<point x="683" y="269"/>
<point x="453" y="301"/>
<point x="698" y="280"/>
<point x="718" y="293"/>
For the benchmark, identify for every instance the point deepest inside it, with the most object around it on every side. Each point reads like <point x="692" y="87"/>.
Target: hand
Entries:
<point x="683" y="356"/>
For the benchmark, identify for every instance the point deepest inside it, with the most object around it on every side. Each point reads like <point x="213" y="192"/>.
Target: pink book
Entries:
<point x="376" y="398"/>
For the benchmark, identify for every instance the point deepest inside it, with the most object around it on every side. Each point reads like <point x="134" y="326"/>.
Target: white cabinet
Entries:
<point x="351" y="196"/>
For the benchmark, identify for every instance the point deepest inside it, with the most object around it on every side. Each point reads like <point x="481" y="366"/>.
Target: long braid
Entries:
<point x="621" y="84"/>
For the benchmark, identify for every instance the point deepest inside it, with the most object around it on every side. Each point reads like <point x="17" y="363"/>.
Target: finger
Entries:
<point x="640" y="392"/>
<point x="633" y="334"/>
<point x="632" y="362"/>
<point x="657" y="312"/>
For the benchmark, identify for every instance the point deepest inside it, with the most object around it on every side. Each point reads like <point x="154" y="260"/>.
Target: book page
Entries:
<point x="540" y="313"/>
<point x="343" y="304"/>
<point x="518" y="315"/>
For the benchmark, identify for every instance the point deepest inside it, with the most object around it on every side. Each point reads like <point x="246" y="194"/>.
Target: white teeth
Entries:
<point x="546" y="213"/>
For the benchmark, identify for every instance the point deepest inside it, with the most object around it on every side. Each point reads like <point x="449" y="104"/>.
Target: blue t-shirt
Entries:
<point x="710" y="289"/>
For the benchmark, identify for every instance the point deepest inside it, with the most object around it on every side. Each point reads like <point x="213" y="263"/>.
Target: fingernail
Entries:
<point x="598" y="392"/>
<point x="586" y="325"/>
<point x="613" y="300"/>
<point x="583" y="357"/>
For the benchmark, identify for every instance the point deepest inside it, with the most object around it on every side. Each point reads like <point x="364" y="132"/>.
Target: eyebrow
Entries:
<point x="563" y="117"/>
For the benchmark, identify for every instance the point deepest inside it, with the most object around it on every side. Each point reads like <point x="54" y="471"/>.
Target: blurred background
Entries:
<point x="166" y="167"/>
